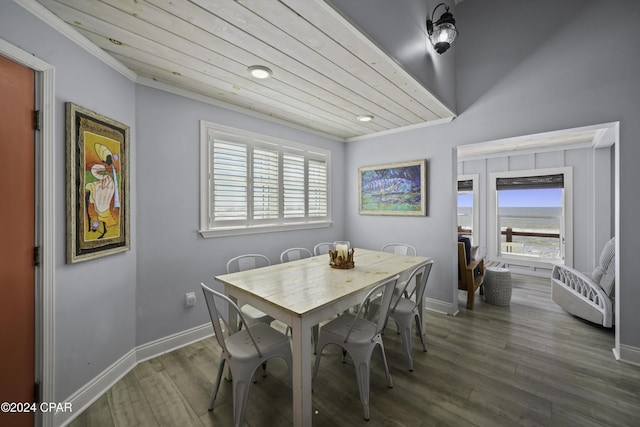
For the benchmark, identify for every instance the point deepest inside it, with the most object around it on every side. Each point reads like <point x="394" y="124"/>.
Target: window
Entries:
<point x="468" y="211"/>
<point x="254" y="183"/>
<point x="532" y="214"/>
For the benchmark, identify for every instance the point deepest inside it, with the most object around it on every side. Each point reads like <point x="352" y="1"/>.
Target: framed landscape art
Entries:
<point x="97" y="185"/>
<point x="393" y="189"/>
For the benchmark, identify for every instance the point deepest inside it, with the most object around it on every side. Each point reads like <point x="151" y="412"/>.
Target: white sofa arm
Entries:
<point x="579" y="295"/>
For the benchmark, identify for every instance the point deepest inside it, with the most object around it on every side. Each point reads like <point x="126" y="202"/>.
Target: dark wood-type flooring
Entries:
<point x="527" y="364"/>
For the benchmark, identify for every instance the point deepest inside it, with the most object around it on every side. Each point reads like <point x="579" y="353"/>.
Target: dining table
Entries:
<point x="305" y="292"/>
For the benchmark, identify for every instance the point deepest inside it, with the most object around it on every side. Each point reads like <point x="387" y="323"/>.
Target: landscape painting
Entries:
<point x="393" y="189"/>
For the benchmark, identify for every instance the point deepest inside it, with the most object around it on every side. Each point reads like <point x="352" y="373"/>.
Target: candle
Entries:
<point x="342" y="249"/>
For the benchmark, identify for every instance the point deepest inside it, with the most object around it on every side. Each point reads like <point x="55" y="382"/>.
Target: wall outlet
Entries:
<point x="190" y="299"/>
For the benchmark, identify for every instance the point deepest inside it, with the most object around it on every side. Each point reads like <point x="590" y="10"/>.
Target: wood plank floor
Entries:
<point x="527" y="364"/>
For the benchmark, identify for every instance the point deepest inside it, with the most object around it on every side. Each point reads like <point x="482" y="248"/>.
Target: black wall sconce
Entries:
<point x="443" y="32"/>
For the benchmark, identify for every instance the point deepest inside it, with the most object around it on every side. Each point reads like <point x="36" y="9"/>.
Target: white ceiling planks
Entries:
<point x="325" y="72"/>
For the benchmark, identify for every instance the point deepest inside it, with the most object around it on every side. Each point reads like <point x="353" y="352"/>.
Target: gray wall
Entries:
<point x="581" y="69"/>
<point x="94" y="300"/>
<point x="172" y="256"/>
<point x="398" y="27"/>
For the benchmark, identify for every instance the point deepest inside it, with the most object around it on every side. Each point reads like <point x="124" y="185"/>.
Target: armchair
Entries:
<point x="588" y="297"/>
<point x="470" y="271"/>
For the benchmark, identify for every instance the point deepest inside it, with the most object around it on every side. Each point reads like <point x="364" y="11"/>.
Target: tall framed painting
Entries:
<point x="393" y="189"/>
<point x="97" y="185"/>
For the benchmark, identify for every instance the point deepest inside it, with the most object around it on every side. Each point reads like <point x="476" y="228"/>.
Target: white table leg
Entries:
<point x="301" y="373"/>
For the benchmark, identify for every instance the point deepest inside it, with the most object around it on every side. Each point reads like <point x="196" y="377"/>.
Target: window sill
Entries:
<point x="240" y="231"/>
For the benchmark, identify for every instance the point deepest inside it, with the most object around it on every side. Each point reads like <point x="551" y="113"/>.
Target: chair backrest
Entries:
<point x="386" y="288"/>
<point x="247" y="262"/>
<point x="420" y="287"/>
<point x="400" y="249"/>
<point x="293" y="254"/>
<point x="210" y="297"/>
<point x="322" y="248"/>
<point x="605" y="273"/>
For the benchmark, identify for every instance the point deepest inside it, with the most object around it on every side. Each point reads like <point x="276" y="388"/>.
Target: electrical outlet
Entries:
<point x="190" y="299"/>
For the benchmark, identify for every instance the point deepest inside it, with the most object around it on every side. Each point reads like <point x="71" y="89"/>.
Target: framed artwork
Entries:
<point x="393" y="189"/>
<point x="97" y="185"/>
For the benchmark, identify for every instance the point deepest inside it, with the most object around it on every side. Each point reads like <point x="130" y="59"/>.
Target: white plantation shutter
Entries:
<point x="317" y="188"/>
<point x="265" y="184"/>
<point x="229" y="189"/>
<point x="293" y="182"/>
<point x="253" y="183"/>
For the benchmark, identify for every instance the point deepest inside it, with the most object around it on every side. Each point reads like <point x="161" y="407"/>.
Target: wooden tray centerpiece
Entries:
<point x="341" y="256"/>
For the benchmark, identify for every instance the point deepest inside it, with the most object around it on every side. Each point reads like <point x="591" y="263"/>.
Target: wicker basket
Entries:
<point x="497" y="286"/>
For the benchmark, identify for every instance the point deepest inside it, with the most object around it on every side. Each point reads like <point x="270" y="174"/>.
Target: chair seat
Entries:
<point x="255" y="315"/>
<point x="338" y="328"/>
<point x="269" y="341"/>
<point x="404" y="306"/>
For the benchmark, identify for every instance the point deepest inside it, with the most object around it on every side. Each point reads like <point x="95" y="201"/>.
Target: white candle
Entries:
<point x="342" y="250"/>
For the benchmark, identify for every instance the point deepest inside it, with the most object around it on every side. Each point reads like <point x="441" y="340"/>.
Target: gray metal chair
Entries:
<point x="249" y="262"/>
<point x="244" y="352"/>
<point x="359" y="337"/>
<point x="405" y="310"/>
<point x="400" y="249"/>
<point x="322" y="248"/>
<point x="294" y="254"/>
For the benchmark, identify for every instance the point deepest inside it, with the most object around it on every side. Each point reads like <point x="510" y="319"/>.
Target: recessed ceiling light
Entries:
<point x="259" y="72"/>
<point x="365" y="118"/>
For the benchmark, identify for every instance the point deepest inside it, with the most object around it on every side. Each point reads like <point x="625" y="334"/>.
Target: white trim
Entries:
<point x="627" y="354"/>
<point x="69" y="32"/>
<point x="90" y="392"/>
<point x="442" y="307"/>
<point x="272" y="228"/>
<point x="45" y="222"/>
<point x="595" y="136"/>
<point x="475" y="230"/>
<point x="400" y="129"/>
<point x="173" y="342"/>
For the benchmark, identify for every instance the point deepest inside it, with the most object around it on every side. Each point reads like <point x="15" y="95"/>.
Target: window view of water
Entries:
<point x="531" y="220"/>
<point x="527" y="219"/>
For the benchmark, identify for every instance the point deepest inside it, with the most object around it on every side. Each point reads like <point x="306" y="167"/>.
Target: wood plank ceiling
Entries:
<point x="325" y="72"/>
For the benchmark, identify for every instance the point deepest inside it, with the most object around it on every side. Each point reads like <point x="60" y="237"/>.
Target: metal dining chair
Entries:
<point x="294" y="254"/>
<point x="244" y="351"/>
<point x="399" y="248"/>
<point x="250" y="262"/>
<point x="359" y="337"/>
<point x="322" y="248"/>
<point x="405" y="310"/>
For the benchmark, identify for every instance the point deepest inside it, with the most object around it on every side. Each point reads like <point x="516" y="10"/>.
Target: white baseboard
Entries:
<point x="440" y="306"/>
<point x="628" y="354"/>
<point x="172" y="342"/>
<point x="90" y="392"/>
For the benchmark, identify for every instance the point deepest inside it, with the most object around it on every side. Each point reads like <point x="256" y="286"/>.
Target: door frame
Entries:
<point x="45" y="224"/>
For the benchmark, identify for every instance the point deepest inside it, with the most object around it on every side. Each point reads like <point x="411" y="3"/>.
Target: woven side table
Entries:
<point x="497" y="286"/>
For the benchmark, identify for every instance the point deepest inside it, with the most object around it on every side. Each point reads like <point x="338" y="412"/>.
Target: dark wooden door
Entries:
<point x="17" y="220"/>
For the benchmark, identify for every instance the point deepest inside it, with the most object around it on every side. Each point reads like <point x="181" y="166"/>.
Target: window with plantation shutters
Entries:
<point x="229" y="189"/>
<point x="253" y="183"/>
<point x="317" y="188"/>
<point x="265" y="184"/>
